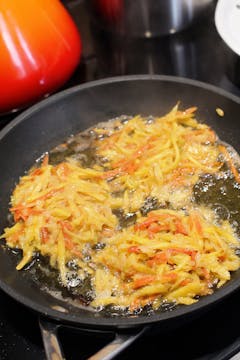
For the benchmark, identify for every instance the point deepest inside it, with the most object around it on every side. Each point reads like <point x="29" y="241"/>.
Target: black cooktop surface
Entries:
<point x="196" y="53"/>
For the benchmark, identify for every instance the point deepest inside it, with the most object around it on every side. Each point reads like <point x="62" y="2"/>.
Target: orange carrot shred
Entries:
<point x="195" y="223"/>
<point x="185" y="282"/>
<point x="180" y="228"/>
<point x="206" y="273"/>
<point x="143" y="281"/>
<point x="159" y="258"/>
<point x="134" y="249"/>
<point x="169" y="277"/>
<point x="191" y="110"/>
<point x="44" y="234"/>
<point x="62" y="169"/>
<point x="45" y="160"/>
<point x="230" y="162"/>
<point x="24" y="213"/>
<point x="65" y="225"/>
<point x="36" y="172"/>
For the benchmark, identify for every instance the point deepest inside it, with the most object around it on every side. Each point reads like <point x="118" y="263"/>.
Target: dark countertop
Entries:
<point x="196" y="53"/>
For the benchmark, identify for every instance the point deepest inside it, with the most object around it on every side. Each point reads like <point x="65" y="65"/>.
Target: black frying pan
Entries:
<point x="46" y="124"/>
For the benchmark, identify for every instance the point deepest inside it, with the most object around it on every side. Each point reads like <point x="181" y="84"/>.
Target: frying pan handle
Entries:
<point x="115" y="347"/>
<point x="51" y="344"/>
<point x="54" y="351"/>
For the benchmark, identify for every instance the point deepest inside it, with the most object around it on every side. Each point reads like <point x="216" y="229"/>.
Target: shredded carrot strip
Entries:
<point x="191" y="110"/>
<point x="195" y="223"/>
<point x="44" y="234"/>
<point x="169" y="277"/>
<point x="159" y="258"/>
<point x="206" y="273"/>
<point x="65" y="225"/>
<point x="143" y="281"/>
<point x="165" y="225"/>
<point x="185" y="282"/>
<point x="230" y="162"/>
<point x="134" y="249"/>
<point x="45" y="160"/>
<point x="24" y="213"/>
<point x="36" y="172"/>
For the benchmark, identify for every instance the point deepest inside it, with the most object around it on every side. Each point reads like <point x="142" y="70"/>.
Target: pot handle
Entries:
<point x="54" y="350"/>
<point x="115" y="347"/>
<point x="52" y="346"/>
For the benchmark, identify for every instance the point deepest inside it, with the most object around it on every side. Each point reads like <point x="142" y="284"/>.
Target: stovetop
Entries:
<point x="196" y="53"/>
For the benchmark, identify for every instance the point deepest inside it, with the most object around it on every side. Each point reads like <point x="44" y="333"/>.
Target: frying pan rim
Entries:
<point x="64" y="93"/>
<point x="120" y="322"/>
